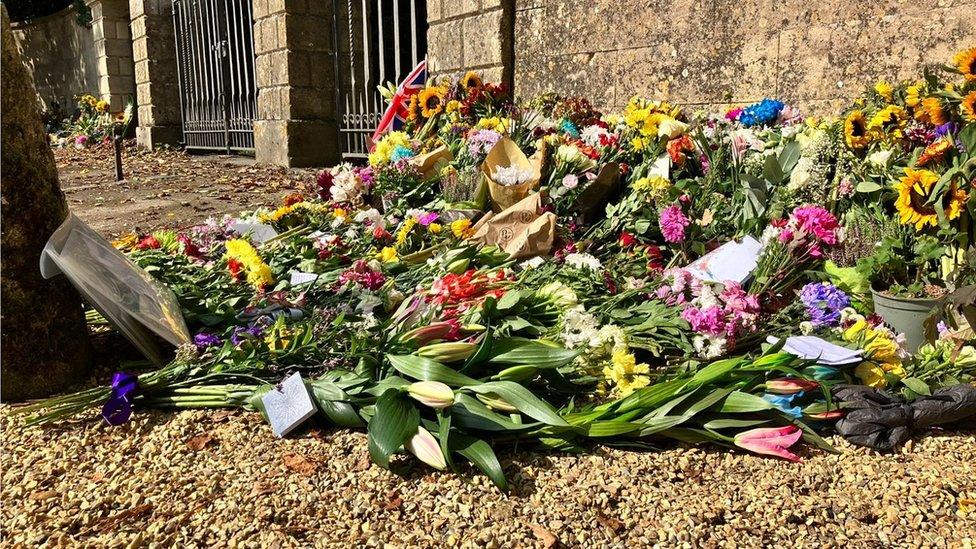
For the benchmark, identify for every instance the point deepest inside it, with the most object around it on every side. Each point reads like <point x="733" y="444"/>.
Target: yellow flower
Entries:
<point x="387" y="254"/>
<point x="257" y="271"/>
<point x="871" y="375"/>
<point x="125" y="242"/>
<point x="655" y="186"/>
<point x="884" y="90"/>
<point x="968" y="107"/>
<point x="281" y="212"/>
<point x="435" y="228"/>
<point x="913" y="94"/>
<point x="856" y="131"/>
<point x="404" y="232"/>
<point x="102" y="106"/>
<point x="462" y="229"/>
<point x="888" y="123"/>
<point x="470" y="80"/>
<point x="385" y="146"/>
<point x="500" y="125"/>
<point x="639" y="143"/>
<point x="432" y="101"/>
<point x="625" y="373"/>
<point x="340" y="214"/>
<point x="914" y="191"/>
<point x="965" y="61"/>
<point x="930" y="111"/>
<point x="452" y="106"/>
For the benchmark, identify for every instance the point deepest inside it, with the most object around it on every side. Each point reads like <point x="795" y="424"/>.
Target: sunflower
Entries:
<point x="856" y="131"/>
<point x="471" y="80"/>
<point x="413" y="108"/>
<point x="102" y="106"/>
<point x="930" y="111"/>
<point x="968" y="107"/>
<point x="888" y="122"/>
<point x="884" y="90"/>
<point x="432" y="101"/>
<point x="914" y="192"/>
<point x="966" y="63"/>
<point x="913" y="93"/>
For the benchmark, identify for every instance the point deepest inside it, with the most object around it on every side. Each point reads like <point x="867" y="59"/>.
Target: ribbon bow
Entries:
<point x="118" y="408"/>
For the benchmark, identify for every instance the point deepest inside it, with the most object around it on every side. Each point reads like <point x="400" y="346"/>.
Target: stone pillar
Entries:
<point x="296" y="120"/>
<point x="156" y="79"/>
<point x="110" y="30"/>
<point x="472" y="35"/>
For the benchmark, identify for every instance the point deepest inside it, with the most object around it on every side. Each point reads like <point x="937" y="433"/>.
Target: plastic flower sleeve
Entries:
<point x="126" y="295"/>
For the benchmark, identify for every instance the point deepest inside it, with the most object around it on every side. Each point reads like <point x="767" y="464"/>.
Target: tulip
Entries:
<point x="448" y="352"/>
<point x="790" y="385"/>
<point x="495" y="402"/>
<point x="431" y="393"/>
<point x="427" y="449"/>
<point x="772" y="441"/>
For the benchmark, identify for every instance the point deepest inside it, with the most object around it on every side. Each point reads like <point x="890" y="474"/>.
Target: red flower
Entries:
<point x="655" y="260"/>
<point x="235" y="267"/>
<point x="324" y="184"/>
<point x="293" y="198"/>
<point x="189" y="248"/>
<point x="148" y="243"/>
<point x="380" y="233"/>
<point x="626" y="239"/>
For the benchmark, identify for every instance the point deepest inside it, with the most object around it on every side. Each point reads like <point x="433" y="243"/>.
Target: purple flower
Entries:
<point x="242" y="334"/>
<point x="481" y="141"/>
<point x="824" y="302"/>
<point x="428" y="218"/>
<point x="205" y="340"/>
<point x="673" y="223"/>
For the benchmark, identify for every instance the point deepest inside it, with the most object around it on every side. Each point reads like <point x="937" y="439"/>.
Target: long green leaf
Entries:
<point x="482" y="456"/>
<point x="393" y="423"/>
<point x="733" y="423"/>
<point x="522" y="399"/>
<point x="471" y="413"/>
<point x="739" y="402"/>
<point x="514" y="351"/>
<point x="425" y="369"/>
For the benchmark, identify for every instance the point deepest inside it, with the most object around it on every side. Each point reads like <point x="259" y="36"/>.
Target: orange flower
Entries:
<point x="966" y="63"/>
<point x="935" y="152"/>
<point x="930" y="111"/>
<point x="968" y="107"/>
<point x="677" y="148"/>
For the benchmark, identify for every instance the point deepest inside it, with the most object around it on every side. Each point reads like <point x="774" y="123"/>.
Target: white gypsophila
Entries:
<point x="591" y="135"/>
<point x="511" y="175"/>
<point x="580" y="328"/>
<point x="583" y="261"/>
<point x="533" y="263"/>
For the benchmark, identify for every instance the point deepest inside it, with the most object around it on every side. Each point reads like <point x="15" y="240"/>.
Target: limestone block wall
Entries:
<point x="817" y="54"/>
<point x="471" y="35"/>
<point x="156" y="78"/>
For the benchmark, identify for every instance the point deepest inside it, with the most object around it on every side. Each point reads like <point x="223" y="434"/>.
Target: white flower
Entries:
<point x="580" y="328"/>
<point x="570" y="181"/>
<point x="583" y="261"/>
<point x="572" y="156"/>
<point x="511" y="175"/>
<point x="710" y="346"/>
<point x="806" y="327"/>
<point x="880" y="158"/>
<point x="801" y="174"/>
<point x="591" y="135"/>
<point x="770" y="234"/>
<point x="346" y="185"/>
<point x="671" y="128"/>
<point x="533" y="263"/>
<point x="372" y="215"/>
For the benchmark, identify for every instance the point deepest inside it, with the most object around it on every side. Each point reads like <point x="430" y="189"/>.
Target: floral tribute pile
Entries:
<point x="446" y="346"/>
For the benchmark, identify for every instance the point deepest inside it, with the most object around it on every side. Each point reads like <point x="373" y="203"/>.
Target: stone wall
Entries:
<point x="712" y="52"/>
<point x="157" y="81"/>
<point x="471" y="35"/>
<point x="60" y="55"/>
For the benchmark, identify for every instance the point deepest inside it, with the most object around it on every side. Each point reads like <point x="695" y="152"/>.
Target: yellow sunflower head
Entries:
<point x="968" y="107"/>
<point x="965" y="62"/>
<point x="888" y="123"/>
<point x="432" y="101"/>
<point x="914" y="193"/>
<point x="884" y="90"/>
<point x="856" y="131"/>
<point x="913" y="93"/>
<point x="413" y="108"/>
<point x="470" y="80"/>
<point x="930" y="111"/>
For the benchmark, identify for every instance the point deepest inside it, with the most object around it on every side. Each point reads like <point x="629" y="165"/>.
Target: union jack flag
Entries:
<point x="396" y="114"/>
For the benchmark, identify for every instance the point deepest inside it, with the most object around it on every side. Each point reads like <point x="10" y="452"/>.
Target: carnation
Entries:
<point x="583" y="261"/>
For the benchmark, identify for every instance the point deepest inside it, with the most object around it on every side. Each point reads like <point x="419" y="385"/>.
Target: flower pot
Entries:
<point x="905" y="315"/>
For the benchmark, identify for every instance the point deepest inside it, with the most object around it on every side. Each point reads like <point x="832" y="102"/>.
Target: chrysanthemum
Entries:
<point x="968" y="107"/>
<point x="935" y="152"/>
<point x="914" y="192"/>
<point x="965" y="61"/>
<point x="431" y="101"/>
<point x="856" y="131"/>
<point x="930" y="111"/>
<point x="470" y="80"/>
<point x="884" y="90"/>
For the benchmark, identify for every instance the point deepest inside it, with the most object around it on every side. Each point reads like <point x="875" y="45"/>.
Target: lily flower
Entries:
<point x="771" y="441"/>
<point x="426" y="448"/>
<point x="431" y="393"/>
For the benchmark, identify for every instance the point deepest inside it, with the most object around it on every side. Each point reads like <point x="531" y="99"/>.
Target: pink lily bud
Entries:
<point x="426" y="448"/>
<point x="771" y="441"/>
<point x="828" y="415"/>
<point x="425" y="334"/>
<point x="790" y="385"/>
<point x="431" y="393"/>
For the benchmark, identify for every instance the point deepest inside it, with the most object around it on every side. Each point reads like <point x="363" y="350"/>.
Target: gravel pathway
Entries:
<point x="220" y="479"/>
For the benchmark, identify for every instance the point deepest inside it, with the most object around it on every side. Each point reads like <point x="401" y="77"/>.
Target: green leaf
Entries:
<point x="393" y="423"/>
<point x="515" y="351"/>
<point x="471" y="413"/>
<point x="444" y="434"/>
<point x="917" y="385"/>
<point x="789" y="157"/>
<point x="482" y="456"/>
<point x="425" y="369"/>
<point x="772" y="171"/>
<point x="342" y="414"/>
<point x="610" y="428"/>
<point x="522" y="399"/>
<point x="866" y="186"/>
<point x="733" y="423"/>
<point x="739" y="402"/>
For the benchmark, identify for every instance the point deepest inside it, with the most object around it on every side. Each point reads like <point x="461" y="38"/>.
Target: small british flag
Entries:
<point x="396" y="114"/>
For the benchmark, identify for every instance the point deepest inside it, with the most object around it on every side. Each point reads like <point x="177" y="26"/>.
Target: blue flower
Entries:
<point x="783" y="403"/>
<point x="242" y="334"/>
<point x="205" y="340"/>
<point x="570" y="129"/>
<point x="399" y="153"/>
<point x="824" y="302"/>
<point x="762" y="113"/>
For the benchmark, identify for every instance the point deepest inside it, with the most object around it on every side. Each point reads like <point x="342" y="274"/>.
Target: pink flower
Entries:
<point x="811" y="227"/>
<point x="673" y="223"/>
<point x="771" y="441"/>
<point x="428" y="218"/>
<point x="570" y="181"/>
<point x="733" y="114"/>
<point x="790" y="385"/>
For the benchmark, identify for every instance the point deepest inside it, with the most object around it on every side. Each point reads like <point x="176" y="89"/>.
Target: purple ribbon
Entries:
<point x="118" y="408"/>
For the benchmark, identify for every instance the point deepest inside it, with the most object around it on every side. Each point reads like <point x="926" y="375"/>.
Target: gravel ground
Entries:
<point x="220" y="479"/>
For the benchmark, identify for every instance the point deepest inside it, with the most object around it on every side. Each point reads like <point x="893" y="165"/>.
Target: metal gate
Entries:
<point x="215" y="59"/>
<point x="377" y="41"/>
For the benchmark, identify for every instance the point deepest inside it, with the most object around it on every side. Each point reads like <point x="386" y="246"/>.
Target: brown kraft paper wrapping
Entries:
<point x="428" y="163"/>
<point x="520" y="230"/>
<point x="505" y="154"/>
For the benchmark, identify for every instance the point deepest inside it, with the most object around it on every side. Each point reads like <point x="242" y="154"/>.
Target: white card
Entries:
<point x="298" y="278"/>
<point x="288" y="405"/>
<point x="260" y="233"/>
<point x="824" y="352"/>
<point x="730" y="261"/>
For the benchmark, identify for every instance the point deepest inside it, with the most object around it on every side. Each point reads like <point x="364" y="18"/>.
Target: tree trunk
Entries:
<point x="42" y="326"/>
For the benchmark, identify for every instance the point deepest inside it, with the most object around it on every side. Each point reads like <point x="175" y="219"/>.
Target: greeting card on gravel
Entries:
<point x="288" y="405"/>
